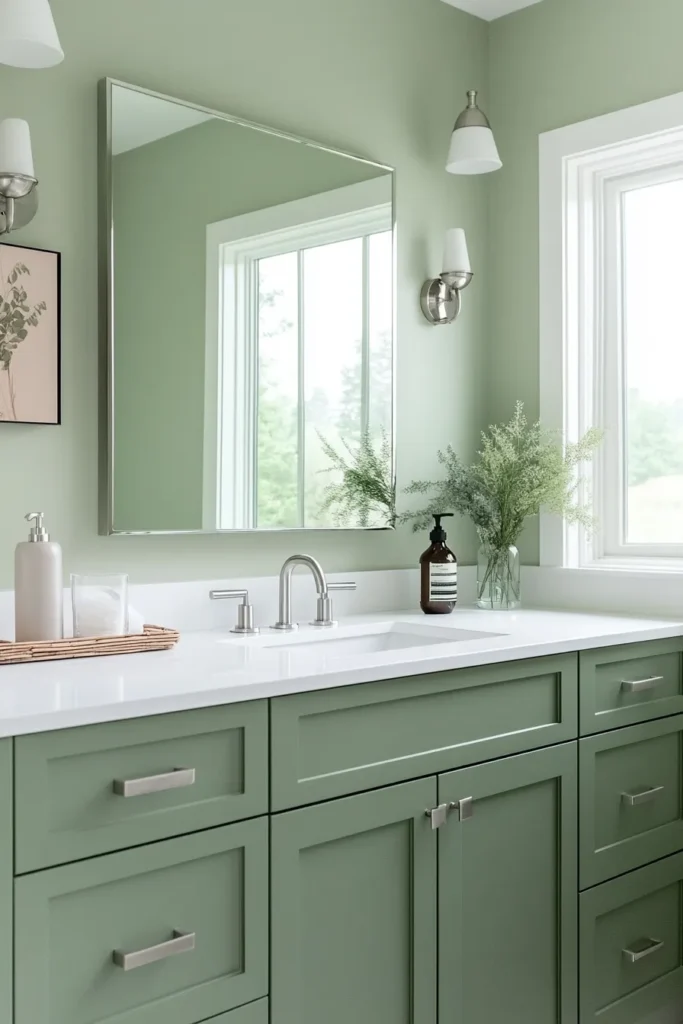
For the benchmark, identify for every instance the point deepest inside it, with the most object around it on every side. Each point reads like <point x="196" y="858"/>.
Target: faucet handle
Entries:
<point x="245" y="611"/>
<point x="324" y="613"/>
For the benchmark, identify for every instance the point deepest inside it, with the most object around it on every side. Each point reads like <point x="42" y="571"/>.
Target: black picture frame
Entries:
<point x="54" y="342"/>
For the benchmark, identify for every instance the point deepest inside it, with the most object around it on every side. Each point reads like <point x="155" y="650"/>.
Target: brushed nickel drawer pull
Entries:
<point x="645" y="797"/>
<point x="642" y="948"/>
<point x="177" y="779"/>
<point x="182" y="942"/>
<point x="640" y="685"/>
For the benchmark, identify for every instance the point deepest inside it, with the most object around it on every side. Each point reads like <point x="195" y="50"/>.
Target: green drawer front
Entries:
<point x="71" y="920"/>
<point x="253" y="1013"/>
<point x="333" y="742"/>
<point x="607" y="675"/>
<point x="66" y="804"/>
<point x="639" y="914"/>
<point x="631" y="809"/>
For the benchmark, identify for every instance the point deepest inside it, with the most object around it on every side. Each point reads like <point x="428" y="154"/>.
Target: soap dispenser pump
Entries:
<point x="38" y="586"/>
<point x="438" y="573"/>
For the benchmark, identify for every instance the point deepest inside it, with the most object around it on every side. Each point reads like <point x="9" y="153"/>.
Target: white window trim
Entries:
<point x="232" y="245"/>
<point x="586" y="160"/>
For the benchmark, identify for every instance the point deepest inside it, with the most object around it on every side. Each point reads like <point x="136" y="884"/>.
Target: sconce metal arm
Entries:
<point x="441" y="298"/>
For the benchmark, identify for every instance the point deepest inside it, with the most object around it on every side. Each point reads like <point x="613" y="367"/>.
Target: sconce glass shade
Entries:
<point x="473" y="148"/>
<point x="28" y="35"/>
<point x="456" y="258"/>
<point x="17" y="176"/>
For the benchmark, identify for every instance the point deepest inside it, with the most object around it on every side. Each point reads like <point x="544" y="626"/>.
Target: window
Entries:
<point x="612" y="328"/>
<point x="305" y="350"/>
<point x="650" y="274"/>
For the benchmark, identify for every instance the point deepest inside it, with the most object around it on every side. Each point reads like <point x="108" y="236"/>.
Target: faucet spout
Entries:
<point x="285" y="605"/>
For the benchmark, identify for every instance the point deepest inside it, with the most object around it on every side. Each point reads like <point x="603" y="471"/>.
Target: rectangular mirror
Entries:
<point x="250" y="324"/>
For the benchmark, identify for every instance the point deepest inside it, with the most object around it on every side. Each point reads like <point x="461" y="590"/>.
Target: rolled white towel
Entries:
<point x="100" y="613"/>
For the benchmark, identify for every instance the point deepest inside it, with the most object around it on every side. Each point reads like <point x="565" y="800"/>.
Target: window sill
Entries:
<point x="643" y="591"/>
<point x="633" y="566"/>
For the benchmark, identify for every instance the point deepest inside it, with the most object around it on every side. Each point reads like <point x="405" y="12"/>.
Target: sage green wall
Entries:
<point x="160" y="296"/>
<point x="384" y="79"/>
<point x="553" y="64"/>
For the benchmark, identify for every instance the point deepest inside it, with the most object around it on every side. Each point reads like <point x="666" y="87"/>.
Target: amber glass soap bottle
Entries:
<point x="438" y="573"/>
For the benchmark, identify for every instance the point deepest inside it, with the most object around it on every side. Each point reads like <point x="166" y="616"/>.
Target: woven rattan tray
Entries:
<point x="153" y="638"/>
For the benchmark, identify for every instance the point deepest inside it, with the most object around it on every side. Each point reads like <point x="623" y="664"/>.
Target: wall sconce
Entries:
<point x="441" y="299"/>
<point x="473" y="147"/>
<point x="29" y="37"/>
<point x="18" y="196"/>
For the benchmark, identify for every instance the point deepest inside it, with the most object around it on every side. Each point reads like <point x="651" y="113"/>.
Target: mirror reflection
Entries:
<point x="253" y="335"/>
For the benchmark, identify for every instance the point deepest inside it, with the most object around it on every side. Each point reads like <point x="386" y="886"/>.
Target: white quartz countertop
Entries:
<point x="210" y="668"/>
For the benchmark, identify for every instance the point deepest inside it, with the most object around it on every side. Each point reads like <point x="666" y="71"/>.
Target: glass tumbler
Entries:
<point x="100" y="604"/>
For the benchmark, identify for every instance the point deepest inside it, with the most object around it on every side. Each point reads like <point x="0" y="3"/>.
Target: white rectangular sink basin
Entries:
<point x="371" y="638"/>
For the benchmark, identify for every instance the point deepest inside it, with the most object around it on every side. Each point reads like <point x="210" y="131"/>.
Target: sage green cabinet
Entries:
<point x="332" y="742"/>
<point x="171" y="933"/>
<point x="631" y="798"/>
<point x="507" y="891"/>
<point x="353" y="910"/>
<point x="427" y="842"/>
<point x="631" y="943"/>
<point x="72" y="797"/>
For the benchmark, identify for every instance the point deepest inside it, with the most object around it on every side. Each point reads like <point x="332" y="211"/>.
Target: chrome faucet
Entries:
<point x="324" y="604"/>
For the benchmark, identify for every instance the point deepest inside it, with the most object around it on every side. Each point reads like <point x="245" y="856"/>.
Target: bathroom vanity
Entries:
<point x="499" y="840"/>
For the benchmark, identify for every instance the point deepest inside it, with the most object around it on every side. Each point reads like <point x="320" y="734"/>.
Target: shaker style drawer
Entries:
<point x="332" y="742"/>
<point x="174" y="932"/>
<point x="630" y="949"/>
<point x="99" y="788"/>
<point x="625" y="685"/>
<point x="631" y="798"/>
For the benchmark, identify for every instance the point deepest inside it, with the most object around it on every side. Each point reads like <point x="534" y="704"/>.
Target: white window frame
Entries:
<point x="584" y="170"/>
<point x="233" y="248"/>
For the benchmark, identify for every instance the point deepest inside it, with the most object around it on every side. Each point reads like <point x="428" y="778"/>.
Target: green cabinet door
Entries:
<point x="353" y="910"/>
<point x="508" y="891"/>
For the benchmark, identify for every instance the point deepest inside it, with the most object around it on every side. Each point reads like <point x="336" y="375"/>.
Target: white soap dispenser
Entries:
<point x="38" y="586"/>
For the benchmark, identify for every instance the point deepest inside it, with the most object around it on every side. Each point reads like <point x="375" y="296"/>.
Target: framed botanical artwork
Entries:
<point x="30" y="335"/>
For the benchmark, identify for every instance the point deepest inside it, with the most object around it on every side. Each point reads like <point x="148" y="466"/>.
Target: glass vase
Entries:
<point x="498" y="578"/>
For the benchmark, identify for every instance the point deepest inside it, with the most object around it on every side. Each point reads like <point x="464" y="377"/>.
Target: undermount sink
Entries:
<point x="369" y="638"/>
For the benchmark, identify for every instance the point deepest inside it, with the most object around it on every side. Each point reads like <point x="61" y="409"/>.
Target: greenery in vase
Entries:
<point x="521" y="469"/>
<point x="367" y="488"/>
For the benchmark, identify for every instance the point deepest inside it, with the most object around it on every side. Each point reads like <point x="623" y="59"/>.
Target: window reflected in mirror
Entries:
<point x="253" y="327"/>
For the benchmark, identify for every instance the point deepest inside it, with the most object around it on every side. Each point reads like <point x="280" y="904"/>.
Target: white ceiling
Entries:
<point x="491" y="9"/>
<point x="139" y="118"/>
